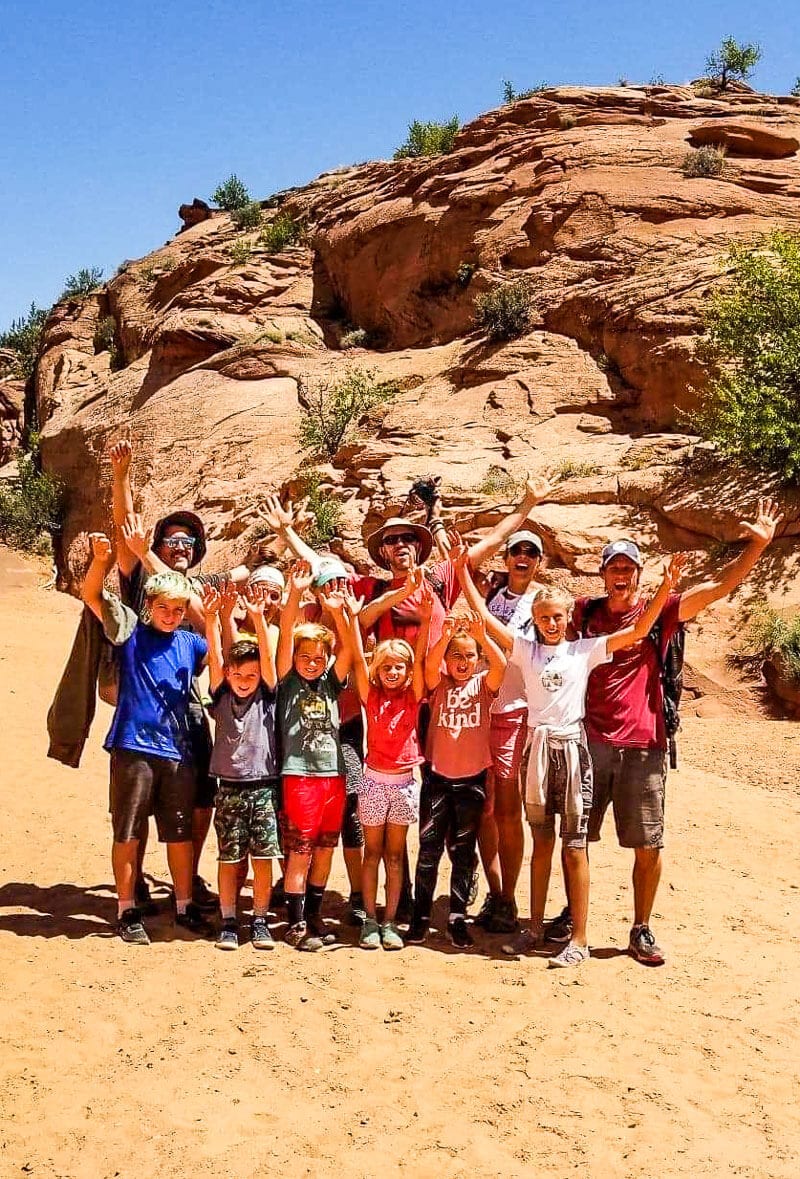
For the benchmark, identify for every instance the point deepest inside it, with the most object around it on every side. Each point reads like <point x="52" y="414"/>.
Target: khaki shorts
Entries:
<point x="633" y="781"/>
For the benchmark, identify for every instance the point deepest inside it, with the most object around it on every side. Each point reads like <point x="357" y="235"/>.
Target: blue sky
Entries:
<point x="115" y="114"/>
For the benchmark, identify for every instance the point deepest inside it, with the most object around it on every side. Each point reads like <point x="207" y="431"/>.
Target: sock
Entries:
<point x="123" y="905"/>
<point x="180" y="906"/>
<point x="314" y="895"/>
<point x="228" y="912"/>
<point x="295" y="902"/>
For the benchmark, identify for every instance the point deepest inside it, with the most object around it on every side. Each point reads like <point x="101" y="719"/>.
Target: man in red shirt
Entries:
<point x="625" y="709"/>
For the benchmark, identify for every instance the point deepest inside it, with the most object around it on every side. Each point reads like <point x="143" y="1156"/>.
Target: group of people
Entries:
<point x="350" y="707"/>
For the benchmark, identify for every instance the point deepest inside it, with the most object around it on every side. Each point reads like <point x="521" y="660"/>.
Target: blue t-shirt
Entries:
<point x="155" y="680"/>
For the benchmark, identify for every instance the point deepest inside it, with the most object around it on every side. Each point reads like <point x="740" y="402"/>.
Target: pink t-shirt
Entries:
<point x="402" y="622"/>
<point x="458" y="737"/>
<point x="392" y="737"/>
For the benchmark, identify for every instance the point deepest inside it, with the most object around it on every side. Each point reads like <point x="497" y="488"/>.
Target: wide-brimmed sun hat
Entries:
<point x="399" y="524"/>
<point x="185" y="519"/>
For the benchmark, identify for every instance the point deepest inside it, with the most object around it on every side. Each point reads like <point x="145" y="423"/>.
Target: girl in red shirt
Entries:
<point x="388" y="798"/>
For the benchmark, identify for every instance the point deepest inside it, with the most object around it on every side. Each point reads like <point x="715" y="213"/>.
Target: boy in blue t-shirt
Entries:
<point x="151" y="770"/>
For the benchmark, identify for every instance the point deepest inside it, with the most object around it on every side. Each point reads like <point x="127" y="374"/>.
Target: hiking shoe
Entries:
<point x="370" y="935"/>
<point x="194" y="921"/>
<point x="474" y="883"/>
<point x="130" y="928"/>
<point x="202" y="896"/>
<point x="228" y="936"/>
<point x="300" y="937"/>
<point x="317" y="928"/>
<point x="459" y="934"/>
<point x="143" y="898"/>
<point x="503" y="918"/>
<point x="560" y="928"/>
<point x="642" y="946"/>
<point x="486" y="911"/>
<point x="260" y="934"/>
<point x="390" y="936"/>
<point x="525" y="942"/>
<point x="356" y="913"/>
<point x="571" y="955"/>
<point x="417" y="932"/>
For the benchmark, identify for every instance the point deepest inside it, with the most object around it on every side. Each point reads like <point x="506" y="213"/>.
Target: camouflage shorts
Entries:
<point x="246" y="820"/>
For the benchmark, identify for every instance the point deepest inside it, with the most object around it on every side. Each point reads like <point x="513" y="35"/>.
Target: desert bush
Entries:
<point x="704" y="161"/>
<point x="795" y="90"/>
<point x="768" y="635"/>
<point x="732" y="60"/>
<point x="326" y="512"/>
<point x="504" y="312"/>
<point x="231" y="194"/>
<point x="240" y="251"/>
<point x="354" y="338"/>
<point x="752" y="343"/>
<point x="567" y="122"/>
<point x="704" y="89"/>
<point x="247" y="216"/>
<point x="30" y="507"/>
<point x="511" y="94"/>
<point x="464" y="273"/>
<point x="497" y="481"/>
<point x="428" y="139"/>
<point x="281" y="232"/>
<point x="331" y="412"/>
<point x="24" y="337"/>
<point x="105" y="340"/>
<point x="77" y="286"/>
<point x="574" y="469"/>
<point x="657" y="80"/>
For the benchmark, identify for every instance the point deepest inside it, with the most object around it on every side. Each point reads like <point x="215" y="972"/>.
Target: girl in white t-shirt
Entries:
<point x="555" y="672"/>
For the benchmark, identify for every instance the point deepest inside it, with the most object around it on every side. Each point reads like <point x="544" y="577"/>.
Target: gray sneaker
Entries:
<point x="300" y="937"/>
<point x="559" y="929"/>
<point x="525" y="942"/>
<point x="228" y="936"/>
<point x="571" y="955"/>
<point x="642" y="946"/>
<point x="130" y="928"/>
<point x="260" y="935"/>
<point x="370" y="935"/>
<point x="390" y="936"/>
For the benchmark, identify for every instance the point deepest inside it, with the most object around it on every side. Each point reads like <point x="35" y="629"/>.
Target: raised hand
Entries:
<point x="354" y="605"/>
<point x="275" y="514"/>
<point x="302" y="516"/>
<point x="135" y="535"/>
<point x="212" y="600"/>
<point x="414" y="579"/>
<point x="449" y="627"/>
<point x="474" y="624"/>
<point x="300" y="577"/>
<point x="763" y="528"/>
<point x="537" y="488"/>
<point x="120" y="454"/>
<point x="673" y="570"/>
<point x="459" y="553"/>
<point x="255" y="599"/>
<point x="229" y="598"/>
<point x="426" y="601"/>
<point x="101" y="547"/>
<point x="333" y="600"/>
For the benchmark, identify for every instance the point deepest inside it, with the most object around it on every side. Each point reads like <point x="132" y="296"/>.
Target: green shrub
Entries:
<point x="464" y="273"/>
<point x="355" y="338"/>
<point x="24" y="337"/>
<point x="281" y="232"/>
<point x="428" y="139"/>
<point x="753" y="341"/>
<point x="657" y="80"/>
<point x="247" y="216"/>
<point x="769" y="634"/>
<point x="326" y="512"/>
<point x="511" y="94"/>
<point x="497" y="481"/>
<point x="30" y="507"/>
<point x="240" y="251"/>
<point x="231" y="194"/>
<point x="105" y="340"/>
<point x="79" y="285"/>
<point x="574" y="469"/>
<point x="704" y="161"/>
<point x="795" y="90"/>
<point x="504" y="312"/>
<point x="331" y="413"/>
<point x="732" y="60"/>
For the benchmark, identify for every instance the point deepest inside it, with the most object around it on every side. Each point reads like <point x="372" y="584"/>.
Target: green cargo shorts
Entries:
<point x="246" y="820"/>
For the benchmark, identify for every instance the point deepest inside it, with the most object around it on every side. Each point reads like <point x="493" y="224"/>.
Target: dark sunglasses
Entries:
<point x="524" y="550"/>
<point x="400" y="538"/>
<point x="179" y="542"/>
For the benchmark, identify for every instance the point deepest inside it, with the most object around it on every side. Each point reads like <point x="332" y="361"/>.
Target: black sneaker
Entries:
<point x="260" y="934"/>
<point x="318" y="929"/>
<point x="560" y="928"/>
<point x="300" y="937"/>
<point x="130" y="928"/>
<point x="459" y="934"/>
<point x="202" y="896"/>
<point x="356" y="913"/>
<point x="642" y="946"/>
<point x="486" y="911"/>
<point x="417" y="932"/>
<point x="143" y="898"/>
<point x="228" y="936"/>
<point x="194" y="921"/>
<point x="504" y="917"/>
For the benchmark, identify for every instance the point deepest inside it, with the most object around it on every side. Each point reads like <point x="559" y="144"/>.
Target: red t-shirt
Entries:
<point x="402" y="622"/>
<point x="458" y="735"/>
<point x="392" y="737"/>
<point x="624" y="700"/>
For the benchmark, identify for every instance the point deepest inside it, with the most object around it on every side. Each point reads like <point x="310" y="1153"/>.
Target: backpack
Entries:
<point x="671" y="665"/>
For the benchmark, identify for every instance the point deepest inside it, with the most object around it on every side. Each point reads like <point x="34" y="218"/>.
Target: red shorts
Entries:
<point x="508" y="733"/>
<point x="313" y="812"/>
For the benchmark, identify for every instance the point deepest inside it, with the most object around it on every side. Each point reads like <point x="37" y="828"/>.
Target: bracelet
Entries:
<point x="437" y="523"/>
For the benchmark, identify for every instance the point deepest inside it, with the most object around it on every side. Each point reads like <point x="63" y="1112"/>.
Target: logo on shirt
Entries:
<point x="313" y="713"/>
<point x="552" y="679"/>
<point x="455" y="716"/>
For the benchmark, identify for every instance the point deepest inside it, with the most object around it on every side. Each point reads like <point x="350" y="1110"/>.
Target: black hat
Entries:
<point x="189" y="520"/>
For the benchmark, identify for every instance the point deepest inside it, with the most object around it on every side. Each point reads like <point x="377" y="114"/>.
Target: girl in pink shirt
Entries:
<point x="388" y="797"/>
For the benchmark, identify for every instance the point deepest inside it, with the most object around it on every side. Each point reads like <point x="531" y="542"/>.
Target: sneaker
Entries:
<point x="474" y="883"/>
<point x="202" y="896"/>
<point x="144" y="899"/>
<point x="642" y="946"/>
<point x="370" y="935"/>
<point x="260" y="934"/>
<point x="299" y="937"/>
<point x="459" y="934"/>
<point x="503" y="918"/>
<point x="390" y="936"/>
<point x="486" y="911"/>
<point x="417" y="932"/>
<point x="560" y="928"/>
<point x="194" y="921"/>
<point x="356" y="913"/>
<point x="571" y="955"/>
<point x="525" y="942"/>
<point x="228" y="936"/>
<point x="130" y="928"/>
<point x="317" y="928"/>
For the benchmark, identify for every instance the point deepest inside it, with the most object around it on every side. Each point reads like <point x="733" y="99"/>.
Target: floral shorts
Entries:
<point x="388" y="798"/>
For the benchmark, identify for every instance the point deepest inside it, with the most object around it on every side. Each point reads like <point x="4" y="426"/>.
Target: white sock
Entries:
<point x="180" y="906"/>
<point x="228" y="912"/>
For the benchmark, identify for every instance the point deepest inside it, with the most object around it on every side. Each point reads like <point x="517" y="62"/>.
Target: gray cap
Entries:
<point x="525" y="537"/>
<point x="621" y="548"/>
<point x="329" y="569"/>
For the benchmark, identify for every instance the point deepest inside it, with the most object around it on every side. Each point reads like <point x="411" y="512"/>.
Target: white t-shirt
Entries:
<point x="515" y="611"/>
<point x="555" y="678"/>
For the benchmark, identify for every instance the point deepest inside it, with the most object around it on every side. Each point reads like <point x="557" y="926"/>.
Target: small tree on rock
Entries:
<point x="732" y="60"/>
<point x="231" y="194"/>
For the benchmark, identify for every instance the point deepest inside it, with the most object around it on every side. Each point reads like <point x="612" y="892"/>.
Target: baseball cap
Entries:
<point x="268" y="573"/>
<point x="327" y="571"/>
<point x="621" y="548"/>
<point x="525" y="537"/>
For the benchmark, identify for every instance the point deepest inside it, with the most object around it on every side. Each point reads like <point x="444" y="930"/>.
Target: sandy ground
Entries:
<point x="181" y="1061"/>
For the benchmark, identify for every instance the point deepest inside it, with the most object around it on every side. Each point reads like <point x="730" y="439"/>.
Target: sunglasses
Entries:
<point x="524" y="550"/>
<point x="179" y="542"/>
<point x="400" y="538"/>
